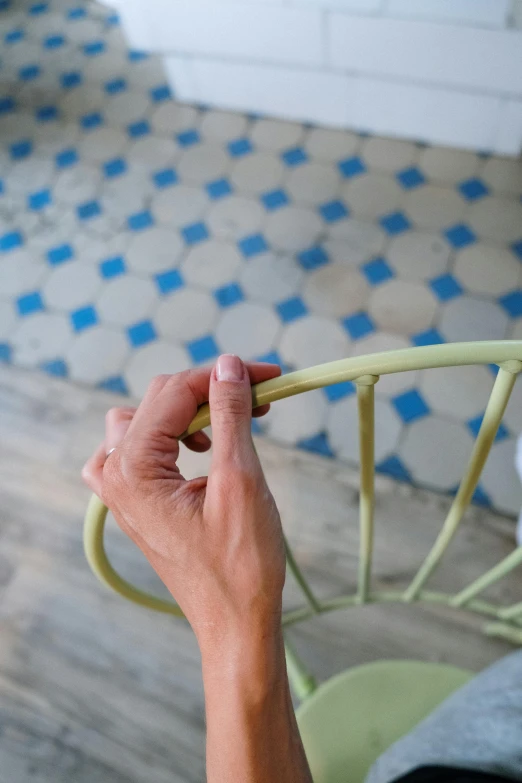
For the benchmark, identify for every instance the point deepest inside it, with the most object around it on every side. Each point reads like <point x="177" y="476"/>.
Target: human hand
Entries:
<point x="215" y="542"/>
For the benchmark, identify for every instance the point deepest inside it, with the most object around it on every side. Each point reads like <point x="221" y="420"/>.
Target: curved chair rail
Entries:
<point x="365" y="372"/>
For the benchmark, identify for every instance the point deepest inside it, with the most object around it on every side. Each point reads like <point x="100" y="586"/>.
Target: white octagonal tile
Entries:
<point x="296" y="418"/>
<point x="499" y="477"/>
<point x="97" y="354"/>
<point x="466" y="318"/>
<point x="71" y="285"/>
<point x="154" y="250"/>
<point x="403" y="307"/>
<point x="180" y="205"/>
<point x="487" y="269"/>
<point x="235" y="217"/>
<point x="257" y="173"/>
<point x="247" y="330"/>
<point x="418" y="256"/>
<point x="336" y="290"/>
<point x="313" y="340"/>
<point x="460" y="392"/>
<point x="293" y="228"/>
<point x="186" y="315"/>
<point x="154" y="359"/>
<point x="126" y="299"/>
<point x="211" y="264"/>
<point x="271" y="278"/>
<point x="40" y="338"/>
<point x="442" y="465"/>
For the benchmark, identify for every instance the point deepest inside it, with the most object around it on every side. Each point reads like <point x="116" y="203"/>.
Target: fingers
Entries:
<point x="199" y="441"/>
<point x="117" y="422"/>
<point x="171" y="402"/>
<point x="230" y="401"/>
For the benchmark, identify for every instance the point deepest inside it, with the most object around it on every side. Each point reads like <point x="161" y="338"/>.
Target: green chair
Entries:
<point x="349" y="720"/>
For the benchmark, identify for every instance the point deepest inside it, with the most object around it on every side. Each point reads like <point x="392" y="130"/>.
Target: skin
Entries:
<point x="217" y="544"/>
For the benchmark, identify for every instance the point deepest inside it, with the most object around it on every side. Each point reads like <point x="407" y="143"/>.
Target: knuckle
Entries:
<point x="119" y="413"/>
<point x="157" y="383"/>
<point x="232" y="406"/>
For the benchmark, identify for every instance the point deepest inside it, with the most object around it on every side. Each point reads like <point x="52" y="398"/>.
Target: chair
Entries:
<point x="349" y="720"/>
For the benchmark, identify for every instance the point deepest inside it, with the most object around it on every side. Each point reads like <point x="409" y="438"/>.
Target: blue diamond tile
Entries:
<point x="473" y="189"/>
<point x="475" y="424"/>
<point x="275" y="199"/>
<point x="481" y="498"/>
<point x="446" y="287"/>
<point x="66" y="158"/>
<point x="358" y="325"/>
<point x="229" y="295"/>
<point x="140" y="221"/>
<point x="253" y="245"/>
<point x="76" y="13"/>
<point x="312" y="258"/>
<point x="21" y="149"/>
<point x="13" y="36"/>
<point x="255" y="426"/>
<point x="56" y="367"/>
<point x="203" y="349"/>
<point x="6" y="352"/>
<point x="169" y="281"/>
<point x="29" y="72"/>
<point x="516" y="247"/>
<point x="39" y="8"/>
<point x="339" y="391"/>
<point x="429" y="337"/>
<point x="136" y="56"/>
<point x="512" y="303"/>
<point x="272" y="357"/>
<point x="239" y="147"/>
<point x="30" y="303"/>
<point x="2" y="187"/>
<point x="318" y="444"/>
<point x="137" y="129"/>
<point x="377" y="271"/>
<point x="54" y="41"/>
<point x="410" y="406"/>
<point x="197" y="232"/>
<point x="114" y="168"/>
<point x="88" y="210"/>
<point x="115" y="86"/>
<point x="10" y="241"/>
<point x="7" y="104"/>
<point x="395" y="223"/>
<point x="112" y="267"/>
<point x="83" y="318"/>
<point x="291" y="309"/>
<point x="460" y="235"/>
<point x="165" y="178"/>
<point x="46" y="114"/>
<point x="333" y="211"/>
<point x="60" y="254"/>
<point x="160" y="93"/>
<point x="114" y="384"/>
<point x="93" y="48"/>
<point x="219" y="189"/>
<point x="113" y="20"/>
<point x="92" y="120"/>
<point x="141" y="333"/>
<point x="71" y="79"/>
<point x="39" y="200"/>
<point x="188" y="138"/>
<point x="394" y="467"/>
<point x="351" y="167"/>
<point x="410" y="178"/>
<point x="294" y="157"/>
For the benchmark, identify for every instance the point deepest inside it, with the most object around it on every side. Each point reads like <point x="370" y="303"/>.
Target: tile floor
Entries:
<point x="139" y="236"/>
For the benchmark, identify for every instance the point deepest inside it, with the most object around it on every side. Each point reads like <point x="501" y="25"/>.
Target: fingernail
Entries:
<point x="229" y="368"/>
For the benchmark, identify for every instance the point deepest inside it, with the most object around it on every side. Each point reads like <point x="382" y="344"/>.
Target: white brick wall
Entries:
<point x="447" y="71"/>
<point x="449" y="55"/>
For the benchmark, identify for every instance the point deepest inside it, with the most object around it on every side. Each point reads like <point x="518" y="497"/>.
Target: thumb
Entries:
<point x="230" y="400"/>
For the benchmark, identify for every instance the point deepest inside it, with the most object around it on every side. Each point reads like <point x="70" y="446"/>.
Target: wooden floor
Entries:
<point x="95" y="690"/>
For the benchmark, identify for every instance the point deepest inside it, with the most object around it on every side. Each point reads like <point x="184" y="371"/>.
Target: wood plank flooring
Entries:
<point x="95" y="690"/>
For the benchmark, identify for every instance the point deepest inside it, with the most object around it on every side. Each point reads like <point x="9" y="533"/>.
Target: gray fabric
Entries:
<point x="478" y="727"/>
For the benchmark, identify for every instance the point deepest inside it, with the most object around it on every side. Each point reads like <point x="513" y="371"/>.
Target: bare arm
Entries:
<point x="217" y="545"/>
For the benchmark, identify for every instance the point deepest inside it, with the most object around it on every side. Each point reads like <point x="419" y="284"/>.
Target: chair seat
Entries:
<point x="351" y="719"/>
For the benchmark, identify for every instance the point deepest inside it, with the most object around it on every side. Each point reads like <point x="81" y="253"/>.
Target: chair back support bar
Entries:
<point x="365" y="372"/>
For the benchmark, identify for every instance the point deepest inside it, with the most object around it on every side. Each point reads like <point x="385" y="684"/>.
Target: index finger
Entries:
<point x="171" y="402"/>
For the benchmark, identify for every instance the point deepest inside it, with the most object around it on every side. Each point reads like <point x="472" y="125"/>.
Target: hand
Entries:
<point x="215" y="542"/>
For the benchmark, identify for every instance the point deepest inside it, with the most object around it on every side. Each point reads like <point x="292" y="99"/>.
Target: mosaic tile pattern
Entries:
<point x="140" y="236"/>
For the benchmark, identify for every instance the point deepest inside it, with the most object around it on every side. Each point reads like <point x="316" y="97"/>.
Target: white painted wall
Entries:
<point x="442" y="71"/>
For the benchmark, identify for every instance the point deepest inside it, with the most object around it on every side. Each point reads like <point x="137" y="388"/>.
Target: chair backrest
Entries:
<point x="364" y="371"/>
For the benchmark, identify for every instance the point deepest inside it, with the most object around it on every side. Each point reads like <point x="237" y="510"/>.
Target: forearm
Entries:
<point x="252" y="734"/>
